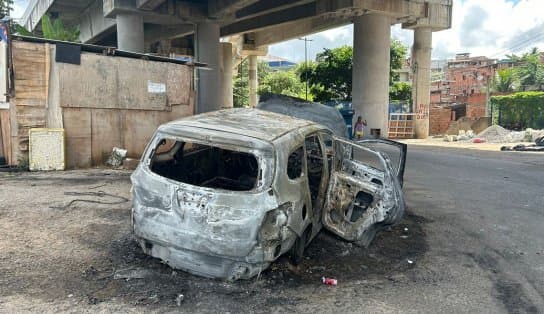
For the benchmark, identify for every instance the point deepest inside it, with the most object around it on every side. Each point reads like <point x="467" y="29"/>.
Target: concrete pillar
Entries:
<point x="209" y="79"/>
<point x="253" y="81"/>
<point x="226" y="75"/>
<point x="421" y="86"/>
<point x="371" y="43"/>
<point x="130" y="32"/>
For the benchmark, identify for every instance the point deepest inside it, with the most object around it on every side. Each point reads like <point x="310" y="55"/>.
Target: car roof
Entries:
<point x="251" y="122"/>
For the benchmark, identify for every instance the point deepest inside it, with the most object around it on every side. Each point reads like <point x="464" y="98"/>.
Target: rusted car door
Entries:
<point x="364" y="193"/>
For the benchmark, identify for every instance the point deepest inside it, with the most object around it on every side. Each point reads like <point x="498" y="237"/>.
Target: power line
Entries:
<point x="521" y="44"/>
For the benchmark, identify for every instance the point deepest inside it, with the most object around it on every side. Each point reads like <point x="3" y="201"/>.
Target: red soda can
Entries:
<point x="329" y="281"/>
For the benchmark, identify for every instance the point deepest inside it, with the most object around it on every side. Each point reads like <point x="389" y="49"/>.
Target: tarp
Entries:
<point x="302" y="109"/>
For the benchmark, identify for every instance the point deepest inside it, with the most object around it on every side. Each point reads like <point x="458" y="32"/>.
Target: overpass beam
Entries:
<point x="421" y="93"/>
<point x="130" y="32"/>
<point x="226" y="75"/>
<point x="371" y="58"/>
<point x="209" y="79"/>
<point x="253" y="81"/>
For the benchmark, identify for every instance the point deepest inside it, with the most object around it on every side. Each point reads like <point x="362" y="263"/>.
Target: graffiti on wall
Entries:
<point x="422" y="112"/>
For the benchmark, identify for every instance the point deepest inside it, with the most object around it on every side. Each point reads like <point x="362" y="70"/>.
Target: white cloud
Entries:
<point x="19" y="7"/>
<point x="490" y="28"/>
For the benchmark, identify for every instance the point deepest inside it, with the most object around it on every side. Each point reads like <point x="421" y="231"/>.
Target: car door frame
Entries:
<point x="351" y="178"/>
<point x="403" y="148"/>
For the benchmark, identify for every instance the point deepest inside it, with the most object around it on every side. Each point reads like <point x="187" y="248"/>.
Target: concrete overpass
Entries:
<point x="216" y="30"/>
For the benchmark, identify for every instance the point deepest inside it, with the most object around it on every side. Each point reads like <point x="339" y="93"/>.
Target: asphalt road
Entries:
<point x="471" y="241"/>
<point x="485" y="229"/>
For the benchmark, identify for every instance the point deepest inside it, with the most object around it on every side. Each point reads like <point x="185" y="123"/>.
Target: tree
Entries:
<point x="330" y="76"/>
<point x="397" y="54"/>
<point x="284" y="83"/>
<point x="401" y="91"/>
<point x="5" y="8"/>
<point x="531" y="72"/>
<point x="504" y="80"/>
<point x="241" y="82"/>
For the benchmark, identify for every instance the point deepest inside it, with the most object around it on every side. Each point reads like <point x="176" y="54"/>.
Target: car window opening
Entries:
<point x="205" y="166"/>
<point x="294" y="163"/>
<point x="314" y="162"/>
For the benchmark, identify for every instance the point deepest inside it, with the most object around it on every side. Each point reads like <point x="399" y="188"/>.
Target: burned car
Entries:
<point x="224" y="194"/>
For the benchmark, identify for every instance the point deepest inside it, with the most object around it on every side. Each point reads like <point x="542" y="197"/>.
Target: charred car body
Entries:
<point x="224" y="194"/>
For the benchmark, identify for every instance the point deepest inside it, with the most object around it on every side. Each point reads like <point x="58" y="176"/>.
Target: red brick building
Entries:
<point x="461" y="90"/>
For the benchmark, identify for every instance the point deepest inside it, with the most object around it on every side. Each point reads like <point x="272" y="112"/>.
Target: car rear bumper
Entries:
<point x="202" y="264"/>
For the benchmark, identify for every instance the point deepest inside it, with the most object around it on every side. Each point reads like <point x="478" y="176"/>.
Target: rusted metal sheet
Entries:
<point x="182" y="214"/>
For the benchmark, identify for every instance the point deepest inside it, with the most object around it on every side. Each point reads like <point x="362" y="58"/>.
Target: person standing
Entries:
<point x="358" y="130"/>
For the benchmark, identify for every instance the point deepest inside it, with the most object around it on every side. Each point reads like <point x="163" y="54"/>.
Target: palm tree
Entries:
<point x="504" y="80"/>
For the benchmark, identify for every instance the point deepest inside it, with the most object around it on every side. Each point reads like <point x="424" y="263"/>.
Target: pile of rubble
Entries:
<point x="496" y="134"/>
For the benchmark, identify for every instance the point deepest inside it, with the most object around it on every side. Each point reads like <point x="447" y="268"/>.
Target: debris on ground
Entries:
<point x="538" y="146"/>
<point x="132" y="273"/>
<point x="179" y="299"/>
<point x="329" y="281"/>
<point x="116" y="199"/>
<point x="498" y="134"/>
<point x="116" y="157"/>
<point x="494" y="134"/>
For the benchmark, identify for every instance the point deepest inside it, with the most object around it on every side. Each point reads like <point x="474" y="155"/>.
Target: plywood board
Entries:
<point x="28" y="118"/>
<point x="179" y="84"/>
<point x="29" y="73"/>
<point x="138" y="128"/>
<point x="77" y="125"/>
<point x="93" y="84"/>
<point x="6" y="135"/>
<point x="106" y="133"/>
<point x="142" y="84"/>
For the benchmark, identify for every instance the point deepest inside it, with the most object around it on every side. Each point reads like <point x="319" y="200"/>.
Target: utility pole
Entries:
<point x="306" y="40"/>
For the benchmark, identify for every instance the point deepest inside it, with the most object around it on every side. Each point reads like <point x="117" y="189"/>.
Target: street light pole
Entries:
<point x="306" y="40"/>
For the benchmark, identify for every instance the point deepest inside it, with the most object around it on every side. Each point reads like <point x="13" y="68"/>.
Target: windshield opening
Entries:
<point x="205" y="166"/>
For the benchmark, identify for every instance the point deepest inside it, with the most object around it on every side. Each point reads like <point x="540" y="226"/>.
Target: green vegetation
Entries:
<point x="401" y="91"/>
<point x="5" y="8"/>
<point x="529" y="71"/>
<point x="330" y="76"/>
<point x="283" y="82"/>
<point x="523" y="108"/>
<point x="54" y="29"/>
<point x="505" y="80"/>
<point x="241" y="82"/>
<point x="51" y="29"/>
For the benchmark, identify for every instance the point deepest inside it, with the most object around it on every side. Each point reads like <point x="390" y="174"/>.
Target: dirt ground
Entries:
<point x="60" y="255"/>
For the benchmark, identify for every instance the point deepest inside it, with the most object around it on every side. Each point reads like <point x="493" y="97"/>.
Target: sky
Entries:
<point x="491" y="28"/>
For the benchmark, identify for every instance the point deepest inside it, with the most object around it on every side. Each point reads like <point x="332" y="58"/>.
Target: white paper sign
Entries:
<point x="156" y="88"/>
